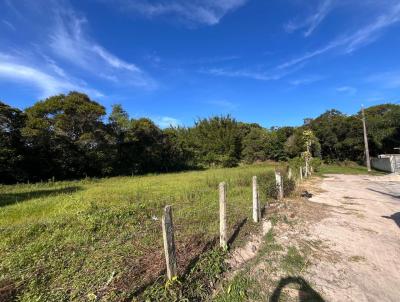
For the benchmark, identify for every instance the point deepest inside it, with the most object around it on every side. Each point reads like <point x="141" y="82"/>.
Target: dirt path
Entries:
<point x="343" y="244"/>
<point x="362" y="233"/>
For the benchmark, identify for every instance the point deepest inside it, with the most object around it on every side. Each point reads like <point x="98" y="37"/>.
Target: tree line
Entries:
<point x="70" y="136"/>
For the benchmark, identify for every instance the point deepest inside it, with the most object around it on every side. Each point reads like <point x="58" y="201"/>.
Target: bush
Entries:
<point x="271" y="190"/>
<point x="316" y="163"/>
<point x="289" y="185"/>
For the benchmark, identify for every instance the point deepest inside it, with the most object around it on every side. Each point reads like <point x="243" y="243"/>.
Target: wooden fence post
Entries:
<point x="301" y="173"/>
<point x="169" y="242"/>
<point x="279" y="184"/>
<point x="256" y="201"/>
<point x="222" y="216"/>
<point x="290" y="173"/>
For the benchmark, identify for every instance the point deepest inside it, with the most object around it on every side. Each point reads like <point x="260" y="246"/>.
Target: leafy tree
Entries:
<point x="11" y="145"/>
<point x="216" y="141"/>
<point x="66" y="137"/>
<point x="255" y="145"/>
<point x="276" y="143"/>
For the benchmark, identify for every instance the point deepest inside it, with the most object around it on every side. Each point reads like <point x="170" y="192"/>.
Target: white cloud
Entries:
<point x="353" y="41"/>
<point x="208" y="12"/>
<point x="240" y="74"/>
<point x="113" y="60"/>
<point x="306" y="80"/>
<point x="347" y="89"/>
<point x="312" y="21"/>
<point x="9" y="25"/>
<point x="269" y="75"/>
<point x="166" y="121"/>
<point x="224" y="104"/>
<point x="69" y="41"/>
<point x="45" y="82"/>
<point x="387" y="80"/>
<point x="250" y="74"/>
<point x="347" y="43"/>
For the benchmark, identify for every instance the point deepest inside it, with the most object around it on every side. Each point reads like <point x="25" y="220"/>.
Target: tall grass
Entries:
<point x="94" y="239"/>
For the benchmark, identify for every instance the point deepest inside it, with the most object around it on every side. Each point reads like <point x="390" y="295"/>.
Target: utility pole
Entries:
<point x="366" y="140"/>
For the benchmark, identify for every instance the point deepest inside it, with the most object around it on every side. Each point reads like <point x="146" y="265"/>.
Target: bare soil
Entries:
<point x="347" y="236"/>
<point x="362" y="231"/>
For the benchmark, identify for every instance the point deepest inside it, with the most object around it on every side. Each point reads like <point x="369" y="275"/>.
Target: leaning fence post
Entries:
<point x="279" y="184"/>
<point x="290" y="173"/>
<point x="256" y="201"/>
<point x="169" y="242"/>
<point x="222" y="216"/>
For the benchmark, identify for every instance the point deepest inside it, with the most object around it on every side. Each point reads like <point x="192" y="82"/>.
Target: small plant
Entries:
<point x="196" y="285"/>
<point x="241" y="288"/>
<point x="293" y="262"/>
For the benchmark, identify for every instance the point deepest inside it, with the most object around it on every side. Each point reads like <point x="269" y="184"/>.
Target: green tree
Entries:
<point x="276" y="143"/>
<point x="11" y="145"/>
<point x="216" y="141"/>
<point x="255" y="145"/>
<point x="66" y="137"/>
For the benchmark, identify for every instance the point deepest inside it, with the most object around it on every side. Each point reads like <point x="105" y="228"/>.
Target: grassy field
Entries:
<point x="100" y="240"/>
<point x="343" y="169"/>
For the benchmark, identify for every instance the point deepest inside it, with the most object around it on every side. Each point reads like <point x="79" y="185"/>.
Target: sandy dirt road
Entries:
<point x="362" y="233"/>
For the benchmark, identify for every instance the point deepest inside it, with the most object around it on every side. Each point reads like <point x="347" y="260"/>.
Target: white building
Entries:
<point x="387" y="163"/>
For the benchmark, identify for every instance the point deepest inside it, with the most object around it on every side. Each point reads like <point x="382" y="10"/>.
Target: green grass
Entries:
<point x="293" y="262"/>
<point x="342" y="169"/>
<point x="99" y="239"/>
<point x="240" y="289"/>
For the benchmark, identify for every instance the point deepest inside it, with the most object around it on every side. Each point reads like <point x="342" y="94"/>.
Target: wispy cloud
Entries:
<point x="208" y="12"/>
<point x="9" y="25"/>
<point x="224" y="104"/>
<point x="48" y="84"/>
<point x="346" y="43"/>
<point x="387" y="80"/>
<point x="347" y="89"/>
<point x="312" y="21"/>
<point x="269" y="75"/>
<point x="306" y="80"/>
<point x="58" y="37"/>
<point x="166" y="121"/>
<point x="350" y="42"/>
<point x="69" y="41"/>
<point x="255" y="75"/>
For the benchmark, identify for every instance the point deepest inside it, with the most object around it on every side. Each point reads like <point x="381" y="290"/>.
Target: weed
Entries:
<point x="293" y="262"/>
<point x="357" y="258"/>
<point x="195" y="286"/>
<point x="240" y="288"/>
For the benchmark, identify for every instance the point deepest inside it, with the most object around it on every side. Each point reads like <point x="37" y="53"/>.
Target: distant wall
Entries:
<point x="387" y="163"/>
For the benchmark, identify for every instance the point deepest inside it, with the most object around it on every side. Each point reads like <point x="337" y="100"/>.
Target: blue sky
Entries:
<point x="265" y="61"/>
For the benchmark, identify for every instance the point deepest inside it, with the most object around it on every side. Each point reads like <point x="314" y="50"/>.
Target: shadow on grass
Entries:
<point x="11" y="198"/>
<point x="236" y="231"/>
<point x="306" y="293"/>
<point x="395" y="217"/>
<point x="190" y="263"/>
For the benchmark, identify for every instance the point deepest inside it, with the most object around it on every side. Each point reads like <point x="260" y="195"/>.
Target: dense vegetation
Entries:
<point x="70" y="136"/>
